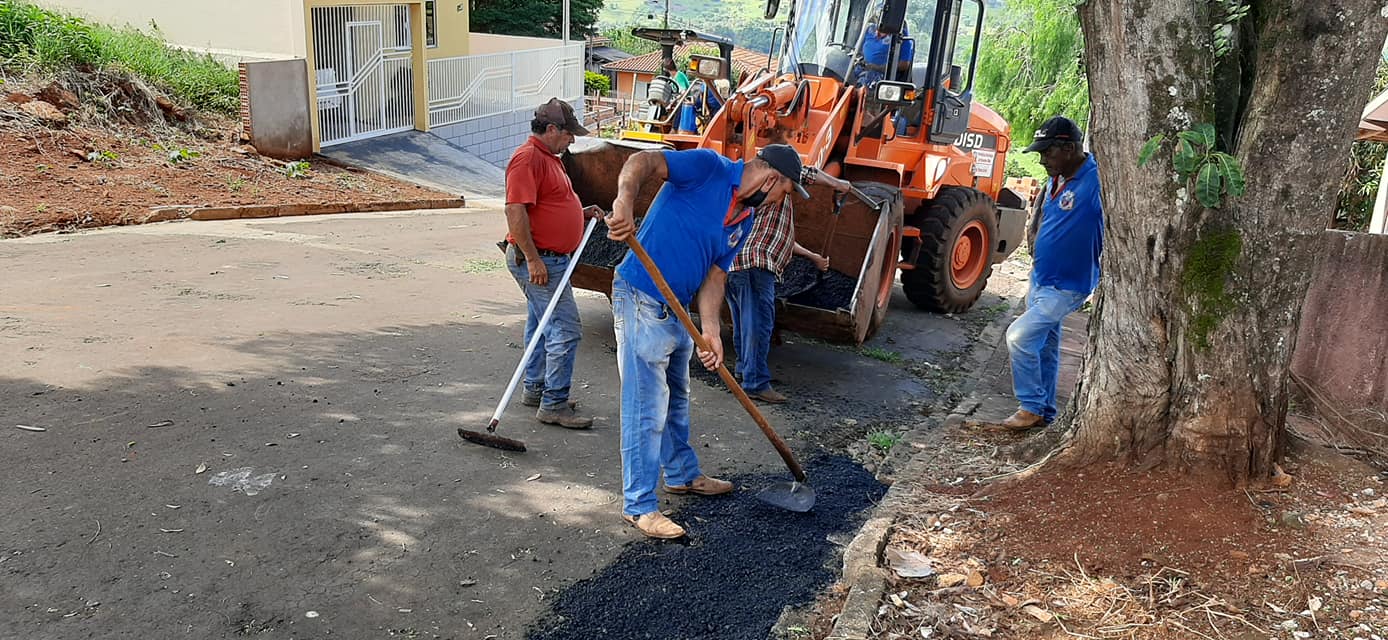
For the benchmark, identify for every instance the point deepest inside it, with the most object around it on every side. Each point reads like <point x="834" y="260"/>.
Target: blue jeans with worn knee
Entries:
<point x="551" y="365"/>
<point x="653" y="353"/>
<point x="751" y="295"/>
<point x="1033" y="340"/>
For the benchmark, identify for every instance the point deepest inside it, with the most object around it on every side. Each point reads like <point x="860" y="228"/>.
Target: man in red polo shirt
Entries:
<point x="545" y="221"/>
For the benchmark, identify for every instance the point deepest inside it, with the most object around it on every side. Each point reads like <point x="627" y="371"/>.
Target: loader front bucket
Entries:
<point x="863" y="243"/>
<point x="593" y="166"/>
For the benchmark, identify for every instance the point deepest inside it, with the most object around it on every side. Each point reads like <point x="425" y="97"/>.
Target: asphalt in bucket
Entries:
<point x="600" y="251"/>
<point x="742" y="563"/>
<point x="802" y="283"/>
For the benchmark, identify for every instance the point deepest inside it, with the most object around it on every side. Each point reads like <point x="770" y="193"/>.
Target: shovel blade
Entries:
<point x="791" y="496"/>
<point x="492" y="440"/>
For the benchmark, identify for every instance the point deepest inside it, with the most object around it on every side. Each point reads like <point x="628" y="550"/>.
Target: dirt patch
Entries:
<point x="89" y="176"/>
<point x="743" y="562"/>
<point x="1104" y="552"/>
<point x="1121" y="523"/>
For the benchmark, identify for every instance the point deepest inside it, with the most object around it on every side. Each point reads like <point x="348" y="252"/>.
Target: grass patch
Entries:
<point x="32" y="37"/>
<point x="478" y="265"/>
<point x="298" y="169"/>
<point x="885" y="355"/>
<point x="883" y="440"/>
<point x="198" y="79"/>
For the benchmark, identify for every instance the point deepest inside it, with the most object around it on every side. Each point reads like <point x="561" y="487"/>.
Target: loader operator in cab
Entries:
<point x="875" y="52"/>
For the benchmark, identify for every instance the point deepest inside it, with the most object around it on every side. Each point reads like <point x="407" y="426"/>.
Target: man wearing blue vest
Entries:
<point x="693" y="231"/>
<point x="1064" y="271"/>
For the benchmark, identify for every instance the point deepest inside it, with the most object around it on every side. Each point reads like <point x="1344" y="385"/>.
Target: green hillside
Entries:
<point x="617" y="12"/>
<point x="740" y="20"/>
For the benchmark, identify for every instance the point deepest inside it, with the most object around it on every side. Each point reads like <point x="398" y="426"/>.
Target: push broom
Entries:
<point x="488" y="438"/>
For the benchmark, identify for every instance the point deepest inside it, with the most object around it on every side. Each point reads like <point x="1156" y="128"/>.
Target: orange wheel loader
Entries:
<point x="877" y="92"/>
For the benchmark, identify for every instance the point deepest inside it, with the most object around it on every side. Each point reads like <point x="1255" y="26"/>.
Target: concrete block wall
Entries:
<point x="493" y="138"/>
<point x="1342" y="344"/>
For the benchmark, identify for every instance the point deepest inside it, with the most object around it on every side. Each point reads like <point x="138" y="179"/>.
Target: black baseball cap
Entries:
<point x="786" y="161"/>
<point x="560" y="114"/>
<point x="1057" y="129"/>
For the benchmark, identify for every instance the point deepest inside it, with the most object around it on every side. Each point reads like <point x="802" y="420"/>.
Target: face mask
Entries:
<point x="756" y="198"/>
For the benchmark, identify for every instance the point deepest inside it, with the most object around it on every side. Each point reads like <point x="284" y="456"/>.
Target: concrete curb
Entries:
<point x="867" y="582"/>
<point x="862" y="559"/>
<point x="191" y="212"/>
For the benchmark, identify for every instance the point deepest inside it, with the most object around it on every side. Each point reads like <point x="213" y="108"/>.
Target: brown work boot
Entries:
<point x="1023" y="420"/>
<point x="769" y="396"/>
<point x="655" y="525"/>
<point x="565" y="417"/>
<point x="704" y="486"/>
<point x="532" y="399"/>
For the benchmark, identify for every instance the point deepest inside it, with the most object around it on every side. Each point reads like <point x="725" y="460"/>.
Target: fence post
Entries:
<point x="511" y="101"/>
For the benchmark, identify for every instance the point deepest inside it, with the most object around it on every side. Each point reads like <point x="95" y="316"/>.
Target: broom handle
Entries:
<point x="674" y="303"/>
<point x="540" y="328"/>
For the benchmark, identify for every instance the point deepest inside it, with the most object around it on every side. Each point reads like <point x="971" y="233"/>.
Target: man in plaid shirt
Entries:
<point x="751" y="289"/>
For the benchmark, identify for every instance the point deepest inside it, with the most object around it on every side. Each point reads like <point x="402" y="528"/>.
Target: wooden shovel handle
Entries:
<point x="727" y="376"/>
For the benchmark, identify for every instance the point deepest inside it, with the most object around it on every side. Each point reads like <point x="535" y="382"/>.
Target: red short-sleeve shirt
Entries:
<point x="535" y="178"/>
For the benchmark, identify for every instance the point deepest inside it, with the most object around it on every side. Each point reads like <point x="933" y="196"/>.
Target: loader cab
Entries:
<point x="942" y="79"/>
<point x="951" y="66"/>
<point x="824" y="36"/>
<point x="937" y="39"/>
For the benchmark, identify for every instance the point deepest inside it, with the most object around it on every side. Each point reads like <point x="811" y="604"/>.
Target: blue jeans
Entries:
<point x="551" y="365"/>
<point x="752" y="297"/>
<point x="653" y="352"/>
<point x="1033" y="340"/>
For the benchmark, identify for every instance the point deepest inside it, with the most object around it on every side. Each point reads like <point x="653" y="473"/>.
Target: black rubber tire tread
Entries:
<point x="941" y="220"/>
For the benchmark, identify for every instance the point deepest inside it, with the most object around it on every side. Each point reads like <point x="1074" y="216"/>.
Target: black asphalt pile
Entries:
<point x="806" y="285"/>
<point x="600" y="251"/>
<point x="799" y="276"/>
<point x="742" y="563"/>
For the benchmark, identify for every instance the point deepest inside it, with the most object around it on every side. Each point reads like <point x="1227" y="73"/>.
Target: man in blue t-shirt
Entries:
<point x="694" y="229"/>
<point x="1064" y="271"/>
<point x="877" y="48"/>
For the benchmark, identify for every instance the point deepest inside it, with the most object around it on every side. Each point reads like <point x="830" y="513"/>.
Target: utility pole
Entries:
<point x="565" y="49"/>
<point x="665" y="23"/>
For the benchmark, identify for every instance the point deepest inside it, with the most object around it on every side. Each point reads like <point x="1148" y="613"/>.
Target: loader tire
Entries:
<point x="958" y="232"/>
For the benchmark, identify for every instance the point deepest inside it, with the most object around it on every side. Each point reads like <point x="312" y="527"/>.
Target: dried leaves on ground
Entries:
<point x="1110" y="553"/>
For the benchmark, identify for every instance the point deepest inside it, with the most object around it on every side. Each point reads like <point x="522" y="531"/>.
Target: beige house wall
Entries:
<point x="240" y="30"/>
<point x="451" y="19"/>
<point x="484" y="43"/>
<point x="251" y="29"/>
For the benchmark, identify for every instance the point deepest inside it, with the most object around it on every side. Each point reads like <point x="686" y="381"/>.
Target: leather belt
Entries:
<point x="520" y="256"/>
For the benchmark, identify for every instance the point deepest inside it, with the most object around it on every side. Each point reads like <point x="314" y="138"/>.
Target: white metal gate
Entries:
<point x="364" y="71"/>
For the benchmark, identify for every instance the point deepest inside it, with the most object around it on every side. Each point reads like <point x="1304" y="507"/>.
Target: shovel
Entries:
<point x="489" y="438"/>
<point x="795" y="496"/>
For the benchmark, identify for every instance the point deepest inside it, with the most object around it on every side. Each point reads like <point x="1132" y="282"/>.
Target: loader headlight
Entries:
<point x="895" y="93"/>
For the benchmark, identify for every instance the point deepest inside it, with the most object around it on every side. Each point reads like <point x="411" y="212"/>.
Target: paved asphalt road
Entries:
<point x="250" y="429"/>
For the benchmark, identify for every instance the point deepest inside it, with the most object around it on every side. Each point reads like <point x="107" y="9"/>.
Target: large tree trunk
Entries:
<point x="1198" y="308"/>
